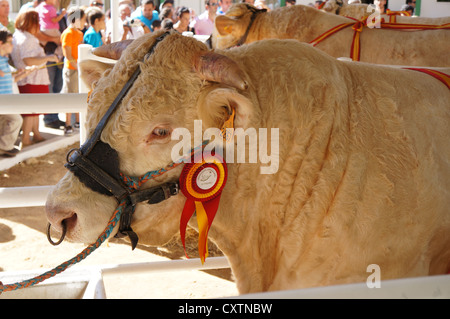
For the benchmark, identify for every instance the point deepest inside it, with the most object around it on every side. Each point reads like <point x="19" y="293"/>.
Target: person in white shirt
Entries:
<point x="28" y="52"/>
<point x="127" y="28"/>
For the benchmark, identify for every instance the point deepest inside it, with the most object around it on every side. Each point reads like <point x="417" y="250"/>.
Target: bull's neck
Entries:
<point x="257" y="210"/>
<point x="299" y="22"/>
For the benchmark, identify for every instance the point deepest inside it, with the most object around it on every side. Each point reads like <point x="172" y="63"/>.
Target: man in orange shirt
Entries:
<point x="70" y="39"/>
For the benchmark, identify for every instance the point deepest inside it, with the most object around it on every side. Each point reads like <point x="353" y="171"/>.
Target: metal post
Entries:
<point x="84" y="51"/>
<point x="417" y="9"/>
<point x="115" y="20"/>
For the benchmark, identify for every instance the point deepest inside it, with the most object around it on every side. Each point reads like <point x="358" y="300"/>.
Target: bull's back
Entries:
<point x="411" y="111"/>
<point x="415" y="48"/>
<point x="377" y="45"/>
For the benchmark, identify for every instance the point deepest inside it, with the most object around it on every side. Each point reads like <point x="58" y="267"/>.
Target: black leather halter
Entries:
<point x="96" y="165"/>
<point x="255" y="12"/>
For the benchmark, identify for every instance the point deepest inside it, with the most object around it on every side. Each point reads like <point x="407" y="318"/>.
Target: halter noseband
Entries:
<point x="96" y="165"/>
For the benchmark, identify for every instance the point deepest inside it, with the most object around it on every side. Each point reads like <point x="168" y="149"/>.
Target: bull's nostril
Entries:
<point x="71" y="221"/>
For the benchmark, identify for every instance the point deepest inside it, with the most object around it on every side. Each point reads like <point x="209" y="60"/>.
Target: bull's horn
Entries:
<point x="218" y="68"/>
<point x="113" y="50"/>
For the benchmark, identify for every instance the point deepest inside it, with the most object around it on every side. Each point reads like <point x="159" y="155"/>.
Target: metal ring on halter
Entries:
<point x="62" y="236"/>
<point x="69" y="155"/>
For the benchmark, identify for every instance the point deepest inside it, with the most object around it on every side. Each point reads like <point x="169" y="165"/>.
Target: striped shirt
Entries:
<point x="5" y="80"/>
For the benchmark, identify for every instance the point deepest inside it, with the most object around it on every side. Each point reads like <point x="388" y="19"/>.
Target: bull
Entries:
<point x="244" y="23"/>
<point x="363" y="175"/>
<point x="360" y="10"/>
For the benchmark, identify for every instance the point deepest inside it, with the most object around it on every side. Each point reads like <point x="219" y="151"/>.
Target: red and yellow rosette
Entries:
<point x="202" y="184"/>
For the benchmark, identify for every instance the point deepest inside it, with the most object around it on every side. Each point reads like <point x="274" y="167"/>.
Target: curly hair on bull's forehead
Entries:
<point x="166" y="82"/>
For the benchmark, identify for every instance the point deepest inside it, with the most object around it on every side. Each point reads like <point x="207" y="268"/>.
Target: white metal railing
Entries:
<point x="28" y="196"/>
<point x="45" y="103"/>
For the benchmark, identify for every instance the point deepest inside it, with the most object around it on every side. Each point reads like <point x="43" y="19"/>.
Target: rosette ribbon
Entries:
<point x="202" y="184"/>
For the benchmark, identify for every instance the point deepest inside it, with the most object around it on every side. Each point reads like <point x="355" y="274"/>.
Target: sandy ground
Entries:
<point x="24" y="246"/>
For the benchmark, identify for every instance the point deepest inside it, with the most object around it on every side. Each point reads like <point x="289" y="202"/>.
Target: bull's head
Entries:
<point x="333" y="6"/>
<point x="180" y="81"/>
<point x="233" y="28"/>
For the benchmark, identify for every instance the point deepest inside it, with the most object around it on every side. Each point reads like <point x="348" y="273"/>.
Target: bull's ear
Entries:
<point x="225" y="25"/>
<point x="216" y="106"/>
<point x="91" y="71"/>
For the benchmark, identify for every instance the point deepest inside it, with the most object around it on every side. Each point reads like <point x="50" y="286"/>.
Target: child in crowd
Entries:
<point x="96" y="19"/>
<point x="10" y="124"/>
<point x="70" y="39"/>
<point x="156" y="25"/>
<point x="49" y="19"/>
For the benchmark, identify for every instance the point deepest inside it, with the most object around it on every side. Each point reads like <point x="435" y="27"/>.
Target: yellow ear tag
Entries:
<point x="89" y="95"/>
<point x="228" y="29"/>
<point x="227" y="130"/>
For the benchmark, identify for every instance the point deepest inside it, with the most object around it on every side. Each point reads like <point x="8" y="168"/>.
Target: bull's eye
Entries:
<point x="161" y="132"/>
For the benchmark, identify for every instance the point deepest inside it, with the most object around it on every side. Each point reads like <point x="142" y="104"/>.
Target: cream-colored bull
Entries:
<point x="363" y="178"/>
<point x="303" y="23"/>
<point x="360" y="10"/>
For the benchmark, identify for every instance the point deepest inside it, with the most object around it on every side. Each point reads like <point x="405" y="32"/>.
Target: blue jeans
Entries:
<point x="56" y="83"/>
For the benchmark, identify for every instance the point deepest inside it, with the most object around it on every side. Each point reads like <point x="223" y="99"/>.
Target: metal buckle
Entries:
<point x="69" y="155"/>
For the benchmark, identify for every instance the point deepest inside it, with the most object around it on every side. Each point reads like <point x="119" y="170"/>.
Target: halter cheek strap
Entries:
<point x="255" y="12"/>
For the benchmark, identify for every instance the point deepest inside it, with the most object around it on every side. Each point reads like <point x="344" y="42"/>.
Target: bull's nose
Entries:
<point x="56" y="215"/>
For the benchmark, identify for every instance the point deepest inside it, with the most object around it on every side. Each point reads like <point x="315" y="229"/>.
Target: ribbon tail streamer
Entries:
<point x="188" y="211"/>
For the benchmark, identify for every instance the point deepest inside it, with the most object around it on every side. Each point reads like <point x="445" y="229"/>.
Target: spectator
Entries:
<point x="156" y="25"/>
<point x="184" y="17"/>
<point x="128" y="2"/>
<point x="28" y="52"/>
<point x="261" y="4"/>
<point x="224" y="5"/>
<point x="318" y="4"/>
<point x="96" y="3"/>
<point x="96" y="19"/>
<point x="4" y="16"/>
<point x="128" y="28"/>
<point x="166" y="4"/>
<point x="380" y="6"/>
<point x="290" y="3"/>
<point x="409" y="9"/>
<point x="146" y="13"/>
<point x="29" y="5"/>
<point x="204" y="23"/>
<point x="166" y="24"/>
<point x="70" y="39"/>
<point x="6" y="76"/>
<point x="166" y="13"/>
<point x="49" y="20"/>
<point x="9" y="123"/>
<point x="409" y="3"/>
